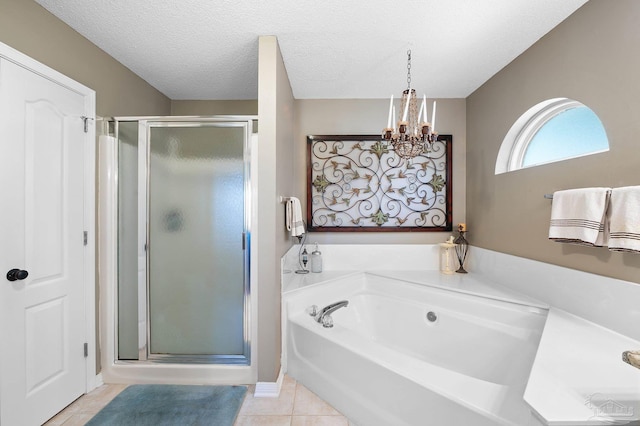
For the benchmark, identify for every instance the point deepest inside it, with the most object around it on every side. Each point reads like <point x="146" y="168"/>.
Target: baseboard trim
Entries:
<point x="269" y="389"/>
<point x="99" y="381"/>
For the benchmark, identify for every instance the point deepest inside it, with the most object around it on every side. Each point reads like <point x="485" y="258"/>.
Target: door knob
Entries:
<point x="17" y="274"/>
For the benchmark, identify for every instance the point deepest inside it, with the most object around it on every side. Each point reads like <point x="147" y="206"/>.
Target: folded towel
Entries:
<point x="625" y="219"/>
<point x="294" y="217"/>
<point x="579" y="216"/>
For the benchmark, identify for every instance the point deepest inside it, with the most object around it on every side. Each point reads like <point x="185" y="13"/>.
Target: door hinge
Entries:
<point x="244" y="239"/>
<point x="86" y="350"/>
<point x="85" y="237"/>
<point x="85" y="120"/>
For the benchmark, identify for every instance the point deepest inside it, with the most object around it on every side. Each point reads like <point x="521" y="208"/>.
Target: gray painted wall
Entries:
<point x="275" y="168"/>
<point x="368" y="116"/>
<point x="28" y="27"/>
<point x="198" y="107"/>
<point x="592" y="57"/>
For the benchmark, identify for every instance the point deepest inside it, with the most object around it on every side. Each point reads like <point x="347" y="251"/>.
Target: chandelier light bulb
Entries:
<point x="390" y="112"/>
<point x="433" y="117"/>
<point x="424" y="99"/>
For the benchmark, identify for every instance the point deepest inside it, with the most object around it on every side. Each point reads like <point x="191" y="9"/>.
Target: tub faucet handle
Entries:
<point x="312" y="310"/>
<point x="327" y="321"/>
<point x="324" y="315"/>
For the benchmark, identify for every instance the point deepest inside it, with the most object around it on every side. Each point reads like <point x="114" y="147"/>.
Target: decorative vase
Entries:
<point x="462" y="247"/>
<point x="447" y="259"/>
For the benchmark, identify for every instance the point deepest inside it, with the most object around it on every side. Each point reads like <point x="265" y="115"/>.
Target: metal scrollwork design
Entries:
<point x="358" y="183"/>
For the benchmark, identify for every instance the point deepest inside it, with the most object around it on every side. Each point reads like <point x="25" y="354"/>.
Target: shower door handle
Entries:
<point x="17" y="274"/>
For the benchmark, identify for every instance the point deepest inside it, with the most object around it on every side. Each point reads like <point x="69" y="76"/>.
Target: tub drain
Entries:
<point x="431" y="316"/>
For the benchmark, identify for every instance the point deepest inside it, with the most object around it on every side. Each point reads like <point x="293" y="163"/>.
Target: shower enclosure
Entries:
<point x="180" y="193"/>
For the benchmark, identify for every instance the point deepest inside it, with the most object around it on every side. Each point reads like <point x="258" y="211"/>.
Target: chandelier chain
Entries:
<point x="409" y="69"/>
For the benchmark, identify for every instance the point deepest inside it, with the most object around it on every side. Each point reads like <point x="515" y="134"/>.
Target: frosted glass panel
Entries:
<point x="128" y="315"/>
<point x="196" y="223"/>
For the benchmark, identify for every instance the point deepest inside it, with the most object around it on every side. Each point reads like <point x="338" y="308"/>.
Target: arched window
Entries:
<point x="554" y="130"/>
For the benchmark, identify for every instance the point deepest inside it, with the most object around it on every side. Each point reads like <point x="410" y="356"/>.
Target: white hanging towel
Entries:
<point x="579" y="216"/>
<point x="625" y="219"/>
<point x="294" y="217"/>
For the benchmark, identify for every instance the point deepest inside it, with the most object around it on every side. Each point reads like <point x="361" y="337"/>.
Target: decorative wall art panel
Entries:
<point x="358" y="183"/>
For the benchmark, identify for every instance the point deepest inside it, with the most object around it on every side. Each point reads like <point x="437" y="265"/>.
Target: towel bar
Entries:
<point x="548" y="196"/>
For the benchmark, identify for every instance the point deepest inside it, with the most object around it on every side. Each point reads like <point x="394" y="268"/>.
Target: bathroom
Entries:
<point x="505" y="213"/>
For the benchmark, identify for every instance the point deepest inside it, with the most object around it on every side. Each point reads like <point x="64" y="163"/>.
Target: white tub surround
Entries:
<point x="608" y="302"/>
<point x="593" y="319"/>
<point x="371" y="257"/>
<point x="293" y="281"/>
<point x="385" y="363"/>
<point x="578" y="377"/>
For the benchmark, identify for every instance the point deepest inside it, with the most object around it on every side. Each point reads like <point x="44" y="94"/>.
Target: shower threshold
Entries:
<point x="188" y="359"/>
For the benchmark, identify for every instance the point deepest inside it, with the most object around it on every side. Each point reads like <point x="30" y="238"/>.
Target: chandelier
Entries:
<point x="412" y="135"/>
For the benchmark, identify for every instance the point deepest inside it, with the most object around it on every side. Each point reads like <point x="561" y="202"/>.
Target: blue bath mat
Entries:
<point x="172" y="405"/>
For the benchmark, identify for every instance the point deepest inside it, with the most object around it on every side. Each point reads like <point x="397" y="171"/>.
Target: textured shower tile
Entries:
<point x="319" y="421"/>
<point x="283" y="405"/>
<point x="263" y="421"/>
<point x="308" y="403"/>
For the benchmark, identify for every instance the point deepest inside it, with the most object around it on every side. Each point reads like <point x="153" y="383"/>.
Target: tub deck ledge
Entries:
<point x="471" y="284"/>
<point x="578" y="377"/>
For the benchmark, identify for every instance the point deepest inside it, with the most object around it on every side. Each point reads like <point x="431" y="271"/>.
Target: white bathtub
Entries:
<point x="385" y="363"/>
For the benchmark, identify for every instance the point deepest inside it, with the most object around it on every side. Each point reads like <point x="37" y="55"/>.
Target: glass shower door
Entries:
<point x="197" y="280"/>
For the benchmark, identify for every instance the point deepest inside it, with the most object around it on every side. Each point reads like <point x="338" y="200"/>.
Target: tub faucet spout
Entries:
<point x="324" y="316"/>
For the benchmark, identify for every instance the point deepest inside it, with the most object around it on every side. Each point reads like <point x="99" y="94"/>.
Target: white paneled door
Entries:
<point x="43" y="314"/>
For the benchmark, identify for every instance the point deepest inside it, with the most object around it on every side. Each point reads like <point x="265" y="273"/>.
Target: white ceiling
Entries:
<point x="208" y="49"/>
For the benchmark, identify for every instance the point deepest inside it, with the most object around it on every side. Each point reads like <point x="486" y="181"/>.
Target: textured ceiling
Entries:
<point x="208" y="49"/>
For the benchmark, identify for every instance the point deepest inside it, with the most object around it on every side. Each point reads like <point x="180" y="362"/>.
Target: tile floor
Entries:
<point x="296" y="406"/>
